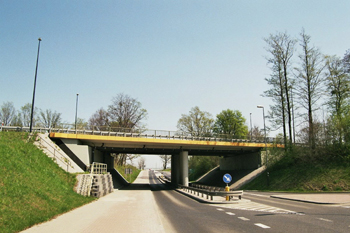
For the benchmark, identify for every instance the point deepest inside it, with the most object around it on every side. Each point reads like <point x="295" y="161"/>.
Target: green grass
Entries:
<point x="304" y="176"/>
<point x="129" y="177"/>
<point x="33" y="188"/>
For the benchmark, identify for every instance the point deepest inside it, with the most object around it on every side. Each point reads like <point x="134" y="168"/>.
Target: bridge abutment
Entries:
<point x="241" y="162"/>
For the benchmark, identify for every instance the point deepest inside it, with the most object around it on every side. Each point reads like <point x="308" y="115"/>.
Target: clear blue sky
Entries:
<point x="169" y="55"/>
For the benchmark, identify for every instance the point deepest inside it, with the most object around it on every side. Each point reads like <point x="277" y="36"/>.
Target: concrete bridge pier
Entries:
<point x="179" y="168"/>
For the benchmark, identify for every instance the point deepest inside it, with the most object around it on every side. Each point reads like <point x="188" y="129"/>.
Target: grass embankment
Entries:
<point x="33" y="188"/>
<point x="297" y="175"/>
<point x="129" y="177"/>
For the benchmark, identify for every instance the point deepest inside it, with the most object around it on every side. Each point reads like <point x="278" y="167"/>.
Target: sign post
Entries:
<point x="227" y="179"/>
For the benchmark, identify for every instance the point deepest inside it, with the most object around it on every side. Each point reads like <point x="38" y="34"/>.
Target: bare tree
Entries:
<point x="257" y="133"/>
<point x="281" y="48"/>
<point x="142" y="163"/>
<point x="165" y="160"/>
<point x="309" y="82"/>
<point x="99" y="120"/>
<point x="126" y="112"/>
<point x="196" y="123"/>
<point x="7" y="113"/>
<point x="25" y="114"/>
<point x="49" y="119"/>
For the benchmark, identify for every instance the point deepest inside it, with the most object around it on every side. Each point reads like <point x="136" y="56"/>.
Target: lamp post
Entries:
<point x="251" y="129"/>
<point x="76" y="113"/>
<point x="36" y="71"/>
<point x="267" y="173"/>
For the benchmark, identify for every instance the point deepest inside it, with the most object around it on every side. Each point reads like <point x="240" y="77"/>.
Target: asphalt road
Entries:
<point x="150" y="206"/>
<point x="261" y="214"/>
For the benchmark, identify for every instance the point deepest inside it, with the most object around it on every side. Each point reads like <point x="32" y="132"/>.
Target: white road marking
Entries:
<point x="258" y="195"/>
<point x="219" y="209"/>
<point x="230" y="213"/>
<point x="244" y="219"/>
<point x="324" y="219"/>
<point x="261" y="225"/>
<point x="253" y="206"/>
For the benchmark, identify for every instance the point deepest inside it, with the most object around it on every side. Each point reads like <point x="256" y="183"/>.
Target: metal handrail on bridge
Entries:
<point x="125" y="132"/>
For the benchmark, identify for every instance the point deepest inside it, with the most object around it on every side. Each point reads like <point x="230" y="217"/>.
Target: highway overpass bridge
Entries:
<point x="88" y="147"/>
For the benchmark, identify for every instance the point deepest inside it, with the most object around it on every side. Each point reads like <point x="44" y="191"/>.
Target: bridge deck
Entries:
<point x="138" y="144"/>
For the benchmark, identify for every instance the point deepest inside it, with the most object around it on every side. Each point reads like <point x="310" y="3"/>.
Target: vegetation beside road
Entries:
<point x="297" y="173"/>
<point x="129" y="177"/>
<point x="33" y="189"/>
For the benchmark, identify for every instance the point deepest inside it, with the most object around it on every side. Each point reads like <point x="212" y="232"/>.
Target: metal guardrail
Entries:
<point x="124" y="132"/>
<point x="214" y="192"/>
<point x="209" y="191"/>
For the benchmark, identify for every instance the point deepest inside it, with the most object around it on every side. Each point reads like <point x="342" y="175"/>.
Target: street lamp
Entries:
<point x="267" y="173"/>
<point x="36" y="71"/>
<point x="76" y="113"/>
<point x="251" y="129"/>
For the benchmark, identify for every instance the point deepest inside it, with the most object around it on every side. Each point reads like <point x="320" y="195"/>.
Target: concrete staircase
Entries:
<point x="44" y="143"/>
<point x="102" y="184"/>
<point x="97" y="184"/>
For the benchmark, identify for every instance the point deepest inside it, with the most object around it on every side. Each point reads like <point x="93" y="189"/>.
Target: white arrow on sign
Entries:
<point x="227" y="178"/>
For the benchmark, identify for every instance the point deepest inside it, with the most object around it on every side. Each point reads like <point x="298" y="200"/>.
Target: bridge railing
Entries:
<point x="144" y="133"/>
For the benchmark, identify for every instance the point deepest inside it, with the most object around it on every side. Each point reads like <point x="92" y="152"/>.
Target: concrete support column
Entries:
<point x="184" y="168"/>
<point x="109" y="160"/>
<point x="175" y="169"/>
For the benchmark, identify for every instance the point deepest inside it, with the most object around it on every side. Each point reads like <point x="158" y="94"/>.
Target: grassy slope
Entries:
<point x="287" y="175"/>
<point x="129" y="177"/>
<point x="33" y="188"/>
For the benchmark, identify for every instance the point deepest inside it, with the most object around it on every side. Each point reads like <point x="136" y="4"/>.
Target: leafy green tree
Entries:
<point x="338" y="87"/>
<point x="197" y="123"/>
<point x="199" y="165"/>
<point x="231" y="123"/>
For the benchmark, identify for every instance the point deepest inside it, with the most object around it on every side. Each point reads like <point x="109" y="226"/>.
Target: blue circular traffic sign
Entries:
<point x="227" y="178"/>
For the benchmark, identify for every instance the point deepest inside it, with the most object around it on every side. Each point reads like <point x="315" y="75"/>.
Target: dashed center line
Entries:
<point x="219" y="209"/>
<point x="261" y="225"/>
<point x="230" y="213"/>
<point x="324" y="219"/>
<point x="244" y="219"/>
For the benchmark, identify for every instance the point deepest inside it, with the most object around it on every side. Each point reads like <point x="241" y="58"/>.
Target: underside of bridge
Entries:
<point x="92" y="148"/>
